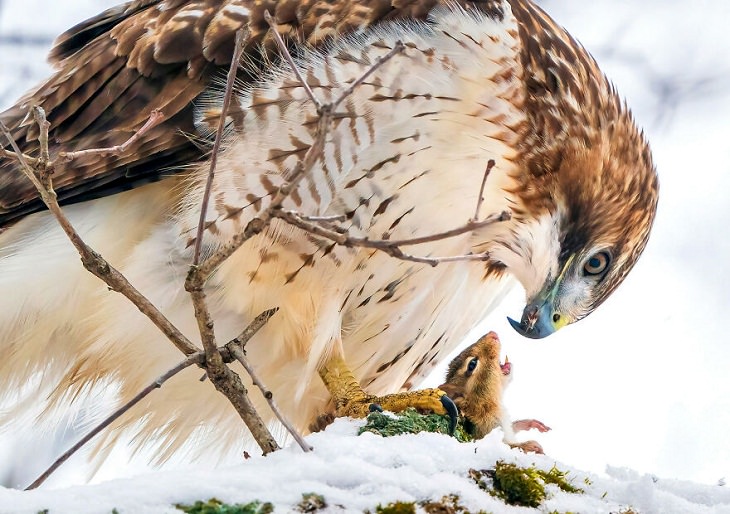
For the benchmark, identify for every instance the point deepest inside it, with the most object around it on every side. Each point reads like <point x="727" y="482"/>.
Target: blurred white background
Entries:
<point x="644" y="381"/>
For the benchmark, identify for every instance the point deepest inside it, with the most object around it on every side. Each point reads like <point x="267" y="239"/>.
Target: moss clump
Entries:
<point x="521" y="486"/>
<point x="396" y="508"/>
<point x="447" y="505"/>
<point x="311" y="502"/>
<point x="518" y="486"/>
<point x="411" y="422"/>
<point x="557" y="477"/>
<point x="214" y="506"/>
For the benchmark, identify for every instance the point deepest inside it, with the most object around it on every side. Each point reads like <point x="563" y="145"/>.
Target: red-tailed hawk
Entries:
<point x="477" y="82"/>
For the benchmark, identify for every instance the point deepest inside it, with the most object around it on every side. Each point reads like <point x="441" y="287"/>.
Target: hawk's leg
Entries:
<point x="351" y="400"/>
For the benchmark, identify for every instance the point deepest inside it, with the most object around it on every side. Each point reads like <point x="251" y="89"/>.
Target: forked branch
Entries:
<point x="196" y="358"/>
<point x="93" y="261"/>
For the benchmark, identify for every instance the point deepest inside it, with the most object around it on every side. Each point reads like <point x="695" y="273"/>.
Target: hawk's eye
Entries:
<point x="596" y="264"/>
<point x="472" y="366"/>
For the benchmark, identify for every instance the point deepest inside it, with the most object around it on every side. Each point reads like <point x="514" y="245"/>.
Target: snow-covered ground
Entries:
<point x="354" y="473"/>
<point x="642" y="383"/>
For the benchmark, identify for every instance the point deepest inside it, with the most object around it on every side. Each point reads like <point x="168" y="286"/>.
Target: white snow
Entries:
<point x="641" y="383"/>
<point x="355" y="473"/>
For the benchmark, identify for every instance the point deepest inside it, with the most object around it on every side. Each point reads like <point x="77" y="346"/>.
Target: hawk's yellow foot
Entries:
<point x="351" y="400"/>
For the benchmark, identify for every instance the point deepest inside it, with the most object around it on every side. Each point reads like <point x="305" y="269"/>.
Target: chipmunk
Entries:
<point x="475" y="381"/>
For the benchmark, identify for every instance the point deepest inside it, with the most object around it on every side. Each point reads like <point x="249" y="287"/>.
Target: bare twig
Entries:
<point x="259" y="223"/>
<point x="287" y="55"/>
<point x="223" y="378"/>
<point x="196" y="358"/>
<point x="95" y="263"/>
<point x="324" y="219"/>
<point x="236" y="349"/>
<point x="44" y="160"/>
<point x="490" y="165"/>
<point x="268" y="395"/>
<point x="397" y="48"/>
<point x="244" y="337"/>
<point x="393" y="248"/>
<point x="302" y="167"/>
<point x="237" y="51"/>
<point x="155" y="118"/>
<point x="14" y="156"/>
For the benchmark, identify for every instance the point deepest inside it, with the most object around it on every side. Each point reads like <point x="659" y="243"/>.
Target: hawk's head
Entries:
<point x="586" y="194"/>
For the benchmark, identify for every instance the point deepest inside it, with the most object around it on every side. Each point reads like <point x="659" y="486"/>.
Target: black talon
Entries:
<point x="374" y="407"/>
<point x="452" y="410"/>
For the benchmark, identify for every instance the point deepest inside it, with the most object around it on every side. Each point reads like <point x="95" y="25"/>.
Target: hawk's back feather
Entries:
<point x="115" y="68"/>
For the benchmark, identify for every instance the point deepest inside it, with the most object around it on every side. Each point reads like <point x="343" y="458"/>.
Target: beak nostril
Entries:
<point x="556" y="317"/>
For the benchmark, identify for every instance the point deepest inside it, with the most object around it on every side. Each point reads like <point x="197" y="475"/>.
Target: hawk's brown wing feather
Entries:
<point x="115" y="68"/>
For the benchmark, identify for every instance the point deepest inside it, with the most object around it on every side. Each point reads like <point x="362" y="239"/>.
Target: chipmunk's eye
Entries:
<point x="472" y="366"/>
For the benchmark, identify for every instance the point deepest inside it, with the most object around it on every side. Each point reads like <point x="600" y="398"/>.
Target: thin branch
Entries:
<point x="237" y="51"/>
<point x="95" y="263"/>
<point x="302" y="167"/>
<point x="196" y="358"/>
<point x="12" y="155"/>
<point x="259" y="223"/>
<point x="44" y="160"/>
<point x="268" y="395"/>
<point x="467" y="227"/>
<point x="155" y="118"/>
<point x="392" y="248"/>
<point x="324" y="219"/>
<point x="397" y="48"/>
<point x="24" y="166"/>
<point x="490" y="165"/>
<point x="223" y="378"/>
<point x="245" y="336"/>
<point x="287" y="55"/>
<point x="343" y="239"/>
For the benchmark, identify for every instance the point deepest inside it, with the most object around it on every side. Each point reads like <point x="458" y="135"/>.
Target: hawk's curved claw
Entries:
<point x="452" y="410"/>
<point x="351" y="400"/>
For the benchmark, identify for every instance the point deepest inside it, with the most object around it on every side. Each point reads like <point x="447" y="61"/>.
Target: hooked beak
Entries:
<point x="541" y="317"/>
<point x="538" y="321"/>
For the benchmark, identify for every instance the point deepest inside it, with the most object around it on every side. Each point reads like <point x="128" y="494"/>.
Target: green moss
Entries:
<point x="214" y="506"/>
<point x="520" y="486"/>
<point x="557" y="477"/>
<point x="397" y="508"/>
<point x="311" y="502"/>
<point x="411" y="422"/>
<point x="447" y="505"/>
